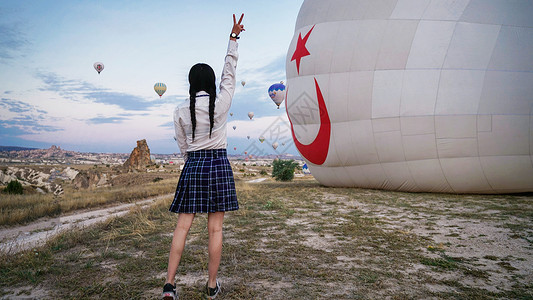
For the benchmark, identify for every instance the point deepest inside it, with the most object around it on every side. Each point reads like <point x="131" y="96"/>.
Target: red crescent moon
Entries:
<point x="317" y="151"/>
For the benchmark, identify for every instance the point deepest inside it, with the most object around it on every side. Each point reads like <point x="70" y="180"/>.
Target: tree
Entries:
<point x="283" y="169"/>
<point x="14" y="187"/>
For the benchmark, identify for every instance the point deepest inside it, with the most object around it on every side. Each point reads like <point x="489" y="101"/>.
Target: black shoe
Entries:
<point x="212" y="292"/>
<point x="169" y="292"/>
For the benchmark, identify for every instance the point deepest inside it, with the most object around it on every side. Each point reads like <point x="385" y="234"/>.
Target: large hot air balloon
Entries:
<point x="261" y="139"/>
<point x="251" y="115"/>
<point x="277" y="93"/>
<point x="275" y="145"/>
<point x="160" y="88"/>
<point x="98" y="66"/>
<point x="425" y="96"/>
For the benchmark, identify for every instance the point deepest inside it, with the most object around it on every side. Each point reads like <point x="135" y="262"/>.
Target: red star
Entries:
<point x="301" y="51"/>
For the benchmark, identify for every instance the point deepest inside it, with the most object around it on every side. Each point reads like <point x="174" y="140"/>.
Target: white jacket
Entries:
<point x="182" y="116"/>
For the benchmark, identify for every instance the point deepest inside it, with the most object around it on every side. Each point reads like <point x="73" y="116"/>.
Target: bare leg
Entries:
<point x="214" y="227"/>
<point x="178" y="244"/>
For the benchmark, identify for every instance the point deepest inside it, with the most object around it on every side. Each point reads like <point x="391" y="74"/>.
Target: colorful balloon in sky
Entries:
<point x="251" y="115"/>
<point x="243" y="82"/>
<point x="277" y="93"/>
<point x="261" y="139"/>
<point x="275" y="145"/>
<point x="231" y="114"/>
<point x="98" y="66"/>
<point x="422" y="96"/>
<point x="160" y="88"/>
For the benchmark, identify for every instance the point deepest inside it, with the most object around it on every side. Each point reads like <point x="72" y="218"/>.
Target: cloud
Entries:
<point x="24" y="125"/>
<point x="15" y="105"/>
<point x="11" y="41"/>
<point x="167" y="125"/>
<point x="76" y="89"/>
<point x="22" y="118"/>
<point x="105" y="120"/>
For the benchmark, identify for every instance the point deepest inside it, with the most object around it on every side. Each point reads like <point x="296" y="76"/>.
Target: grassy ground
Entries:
<point x="21" y="209"/>
<point x="299" y="240"/>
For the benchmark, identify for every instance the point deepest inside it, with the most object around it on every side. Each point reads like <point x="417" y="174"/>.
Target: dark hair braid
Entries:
<point x="192" y="108"/>
<point x="202" y="78"/>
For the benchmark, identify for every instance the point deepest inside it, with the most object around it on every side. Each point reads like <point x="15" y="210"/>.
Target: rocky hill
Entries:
<point x="43" y="182"/>
<point x="139" y="157"/>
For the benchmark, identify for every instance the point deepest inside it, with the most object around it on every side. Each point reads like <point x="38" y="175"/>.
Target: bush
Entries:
<point x="263" y="172"/>
<point x="14" y="187"/>
<point x="284" y="169"/>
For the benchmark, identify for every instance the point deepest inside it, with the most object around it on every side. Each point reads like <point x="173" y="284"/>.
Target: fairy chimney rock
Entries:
<point x="139" y="157"/>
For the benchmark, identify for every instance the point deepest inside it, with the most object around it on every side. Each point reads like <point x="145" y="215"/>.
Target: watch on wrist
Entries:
<point x="234" y="35"/>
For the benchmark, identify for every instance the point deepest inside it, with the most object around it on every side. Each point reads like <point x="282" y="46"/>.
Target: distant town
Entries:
<point x="57" y="156"/>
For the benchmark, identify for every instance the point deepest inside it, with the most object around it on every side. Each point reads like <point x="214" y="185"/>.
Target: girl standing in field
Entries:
<point x="206" y="184"/>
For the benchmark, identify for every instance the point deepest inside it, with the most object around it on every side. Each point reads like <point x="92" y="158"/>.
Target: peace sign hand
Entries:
<point x="237" y="27"/>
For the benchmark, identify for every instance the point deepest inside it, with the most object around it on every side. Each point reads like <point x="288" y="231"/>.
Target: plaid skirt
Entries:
<point x="206" y="184"/>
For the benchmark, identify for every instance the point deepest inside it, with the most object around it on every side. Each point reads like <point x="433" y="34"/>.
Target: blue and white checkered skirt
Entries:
<point x="206" y="184"/>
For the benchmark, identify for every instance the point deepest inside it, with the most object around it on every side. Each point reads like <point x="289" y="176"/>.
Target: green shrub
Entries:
<point x="263" y="172"/>
<point x="14" y="187"/>
<point x="283" y="169"/>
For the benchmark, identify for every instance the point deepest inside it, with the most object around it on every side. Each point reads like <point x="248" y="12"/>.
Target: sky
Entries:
<point x="51" y="94"/>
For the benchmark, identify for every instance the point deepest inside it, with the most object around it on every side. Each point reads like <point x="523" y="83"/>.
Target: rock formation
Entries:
<point x="31" y="177"/>
<point x="89" y="179"/>
<point x="139" y="157"/>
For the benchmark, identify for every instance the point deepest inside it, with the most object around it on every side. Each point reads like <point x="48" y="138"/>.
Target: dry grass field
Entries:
<point x="123" y="188"/>
<point x="299" y="240"/>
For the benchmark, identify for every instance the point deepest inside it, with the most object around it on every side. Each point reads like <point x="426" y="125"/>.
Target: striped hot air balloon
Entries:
<point x="160" y="88"/>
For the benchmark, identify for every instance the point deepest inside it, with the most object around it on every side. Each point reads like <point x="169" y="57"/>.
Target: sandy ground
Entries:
<point x="16" y="239"/>
<point x="486" y="243"/>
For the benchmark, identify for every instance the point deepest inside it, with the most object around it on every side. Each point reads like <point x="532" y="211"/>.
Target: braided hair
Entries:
<point x="202" y="78"/>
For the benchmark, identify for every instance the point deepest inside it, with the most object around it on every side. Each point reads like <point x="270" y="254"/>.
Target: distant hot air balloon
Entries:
<point x="245" y="152"/>
<point x="275" y="145"/>
<point x="283" y="144"/>
<point x="234" y="127"/>
<point x="248" y="137"/>
<point x="98" y="66"/>
<point x="243" y="82"/>
<point x="234" y="148"/>
<point x="277" y="93"/>
<point x="251" y="115"/>
<point x="231" y="114"/>
<point x="261" y="139"/>
<point x="160" y="88"/>
<point x="250" y="156"/>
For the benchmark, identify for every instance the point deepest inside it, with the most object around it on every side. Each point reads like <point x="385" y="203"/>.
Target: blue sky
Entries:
<point x="51" y="94"/>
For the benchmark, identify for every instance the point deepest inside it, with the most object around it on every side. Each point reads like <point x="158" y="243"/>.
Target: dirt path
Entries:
<point x="16" y="239"/>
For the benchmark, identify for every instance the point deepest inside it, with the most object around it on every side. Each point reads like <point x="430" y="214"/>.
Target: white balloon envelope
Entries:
<point x="250" y="115"/>
<point x="423" y="96"/>
<point x="277" y="93"/>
